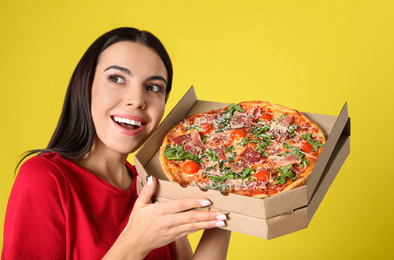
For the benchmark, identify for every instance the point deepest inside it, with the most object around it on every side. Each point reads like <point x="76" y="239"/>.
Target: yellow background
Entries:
<point x="308" y="55"/>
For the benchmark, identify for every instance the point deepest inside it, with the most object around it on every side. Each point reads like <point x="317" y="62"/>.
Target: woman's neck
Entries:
<point x="108" y="165"/>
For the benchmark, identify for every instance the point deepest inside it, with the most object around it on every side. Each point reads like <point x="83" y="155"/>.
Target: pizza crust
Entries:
<point x="164" y="164"/>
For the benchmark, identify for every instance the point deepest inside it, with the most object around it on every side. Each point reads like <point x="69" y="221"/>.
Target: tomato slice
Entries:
<point x="205" y="128"/>
<point x="306" y="147"/>
<point x="238" y="134"/>
<point x="265" y="117"/>
<point x="190" y="167"/>
<point x="261" y="175"/>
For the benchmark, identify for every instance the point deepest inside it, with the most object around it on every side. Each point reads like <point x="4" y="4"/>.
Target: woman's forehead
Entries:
<point x="130" y="53"/>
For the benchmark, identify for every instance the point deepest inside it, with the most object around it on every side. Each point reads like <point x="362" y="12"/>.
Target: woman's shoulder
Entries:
<point x="43" y="167"/>
<point x="49" y="160"/>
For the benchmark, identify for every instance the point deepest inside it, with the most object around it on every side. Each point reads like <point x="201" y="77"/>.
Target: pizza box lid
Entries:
<point x="147" y="163"/>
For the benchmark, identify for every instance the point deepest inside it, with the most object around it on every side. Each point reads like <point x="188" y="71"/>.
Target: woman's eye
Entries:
<point x="155" y="88"/>
<point x="116" y="79"/>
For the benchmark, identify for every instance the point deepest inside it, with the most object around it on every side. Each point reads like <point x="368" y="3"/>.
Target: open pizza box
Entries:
<point x="264" y="218"/>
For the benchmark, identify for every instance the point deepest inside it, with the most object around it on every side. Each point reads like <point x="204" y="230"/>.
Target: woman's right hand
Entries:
<point x="153" y="225"/>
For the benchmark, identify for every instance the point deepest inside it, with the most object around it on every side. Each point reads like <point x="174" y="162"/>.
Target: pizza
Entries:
<point x="253" y="148"/>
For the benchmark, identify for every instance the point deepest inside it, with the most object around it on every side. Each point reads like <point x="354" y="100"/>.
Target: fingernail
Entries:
<point x="205" y="203"/>
<point x="150" y="180"/>
<point x="221" y="217"/>
<point x="219" y="224"/>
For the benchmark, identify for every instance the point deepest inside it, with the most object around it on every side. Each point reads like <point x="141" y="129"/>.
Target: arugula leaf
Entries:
<point x="204" y="138"/>
<point x="229" y="149"/>
<point x="232" y="108"/>
<point x="229" y="175"/>
<point x="197" y="127"/>
<point x="224" y="121"/>
<point x="247" y="173"/>
<point x="281" y="117"/>
<point x="314" y="143"/>
<point x="262" y="146"/>
<point x="178" y="154"/>
<point x="291" y="129"/>
<point x="285" y="172"/>
<point x="212" y="155"/>
<point x="258" y="130"/>
<point x="215" y="186"/>
<point x="247" y="140"/>
<point x="298" y="152"/>
<point x="231" y="156"/>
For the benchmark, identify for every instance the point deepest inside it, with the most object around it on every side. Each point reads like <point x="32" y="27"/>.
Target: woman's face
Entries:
<point x="128" y="96"/>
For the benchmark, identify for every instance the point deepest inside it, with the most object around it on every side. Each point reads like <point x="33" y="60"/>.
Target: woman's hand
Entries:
<point x="153" y="225"/>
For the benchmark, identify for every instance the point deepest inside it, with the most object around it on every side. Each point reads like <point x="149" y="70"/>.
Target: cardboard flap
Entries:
<point x="341" y="151"/>
<point x="328" y="148"/>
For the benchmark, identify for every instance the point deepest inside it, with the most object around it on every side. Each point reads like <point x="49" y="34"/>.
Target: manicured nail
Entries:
<point x="220" y="224"/>
<point x="205" y="203"/>
<point x="221" y="217"/>
<point x="150" y="180"/>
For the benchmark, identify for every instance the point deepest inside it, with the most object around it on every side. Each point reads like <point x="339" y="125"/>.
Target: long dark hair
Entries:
<point x="74" y="134"/>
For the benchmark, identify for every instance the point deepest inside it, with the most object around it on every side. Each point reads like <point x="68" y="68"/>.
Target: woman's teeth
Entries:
<point x="126" y="121"/>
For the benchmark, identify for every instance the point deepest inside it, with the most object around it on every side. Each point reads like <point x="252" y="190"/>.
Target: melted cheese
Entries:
<point x="277" y="126"/>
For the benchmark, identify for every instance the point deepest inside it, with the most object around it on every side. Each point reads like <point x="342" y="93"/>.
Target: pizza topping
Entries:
<point x="250" y="156"/>
<point x="180" y="139"/>
<point x="285" y="173"/>
<point x="265" y="117"/>
<point x="205" y="128"/>
<point x="196" y="127"/>
<point x="288" y="159"/>
<point x="286" y="120"/>
<point x="238" y="134"/>
<point x="297" y="170"/>
<point x="178" y="154"/>
<point x="291" y="130"/>
<point x="262" y="175"/>
<point x="252" y="185"/>
<point x="196" y="139"/>
<point x="212" y="156"/>
<point x="224" y="121"/>
<point x="235" y="168"/>
<point x="315" y="144"/>
<point x="261" y="148"/>
<point x="192" y="148"/>
<point x="297" y="151"/>
<point x="306" y="147"/>
<point x="260" y="132"/>
<point x="238" y="120"/>
<point x="190" y="167"/>
<point x="219" y="153"/>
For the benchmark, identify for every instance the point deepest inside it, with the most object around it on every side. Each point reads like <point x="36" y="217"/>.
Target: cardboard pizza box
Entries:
<point x="265" y="218"/>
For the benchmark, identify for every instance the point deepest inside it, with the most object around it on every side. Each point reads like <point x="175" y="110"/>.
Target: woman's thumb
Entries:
<point x="147" y="192"/>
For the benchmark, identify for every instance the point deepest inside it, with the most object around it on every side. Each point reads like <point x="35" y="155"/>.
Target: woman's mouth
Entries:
<point x="127" y="123"/>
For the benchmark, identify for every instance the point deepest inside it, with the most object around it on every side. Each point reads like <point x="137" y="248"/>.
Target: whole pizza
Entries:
<point x="253" y="148"/>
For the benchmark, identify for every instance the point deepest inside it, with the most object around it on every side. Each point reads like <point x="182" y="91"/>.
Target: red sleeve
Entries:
<point x="35" y="219"/>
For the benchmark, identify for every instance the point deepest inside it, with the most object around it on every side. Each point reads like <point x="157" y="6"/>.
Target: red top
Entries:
<point x="59" y="210"/>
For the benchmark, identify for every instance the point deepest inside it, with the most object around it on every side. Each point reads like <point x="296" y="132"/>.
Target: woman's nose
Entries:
<point x="135" y="97"/>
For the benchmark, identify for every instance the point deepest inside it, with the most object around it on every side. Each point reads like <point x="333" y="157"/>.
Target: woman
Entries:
<point x="77" y="199"/>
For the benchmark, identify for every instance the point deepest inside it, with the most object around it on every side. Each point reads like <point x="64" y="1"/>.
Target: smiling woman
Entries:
<point x="130" y="84"/>
<point x="114" y="102"/>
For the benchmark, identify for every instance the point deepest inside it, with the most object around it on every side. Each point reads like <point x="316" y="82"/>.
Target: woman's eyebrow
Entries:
<point x="157" y="78"/>
<point x="127" y="71"/>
